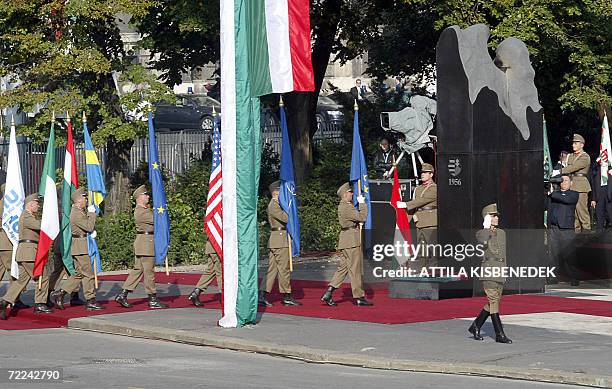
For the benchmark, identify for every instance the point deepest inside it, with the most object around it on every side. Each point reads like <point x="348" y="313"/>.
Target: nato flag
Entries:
<point x="286" y="198"/>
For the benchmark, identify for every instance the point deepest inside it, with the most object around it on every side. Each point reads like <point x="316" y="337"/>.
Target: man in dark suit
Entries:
<point x="601" y="200"/>
<point x="359" y="90"/>
<point x="561" y="219"/>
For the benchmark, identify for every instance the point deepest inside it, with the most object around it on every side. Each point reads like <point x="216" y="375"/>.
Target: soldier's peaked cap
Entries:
<point x="578" y="138"/>
<point x="274" y="186"/>
<point x="77" y="194"/>
<point x="427" y="168"/>
<point x="32" y="197"/>
<point x="346" y="187"/>
<point x="139" y="191"/>
<point x="489" y="209"/>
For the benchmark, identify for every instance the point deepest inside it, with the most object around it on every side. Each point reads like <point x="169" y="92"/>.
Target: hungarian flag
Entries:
<point x="605" y="152"/>
<point x="251" y="65"/>
<point x="403" y="229"/>
<point x="69" y="185"/>
<point x="548" y="167"/>
<point x="49" y="225"/>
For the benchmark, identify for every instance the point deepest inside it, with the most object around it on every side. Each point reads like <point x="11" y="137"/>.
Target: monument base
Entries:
<point x="420" y="288"/>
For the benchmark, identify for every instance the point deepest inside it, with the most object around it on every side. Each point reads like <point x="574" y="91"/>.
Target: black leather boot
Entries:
<point x="288" y="300"/>
<point x="500" y="337"/>
<point x="20" y="304"/>
<point x="42" y="308"/>
<point x="3" y="306"/>
<point x="477" y="324"/>
<point x="122" y="298"/>
<point x="92" y="305"/>
<point x="362" y="302"/>
<point x="58" y="299"/>
<point x="50" y="298"/>
<point x="75" y="300"/>
<point x="154" y="302"/>
<point x="263" y="299"/>
<point x="194" y="297"/>
<point x="327" y="296"/>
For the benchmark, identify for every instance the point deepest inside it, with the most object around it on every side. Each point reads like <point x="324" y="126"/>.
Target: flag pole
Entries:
<point x="95" y="269"/>
<point x="167" y="270"/>
<point x="290" y="253"/>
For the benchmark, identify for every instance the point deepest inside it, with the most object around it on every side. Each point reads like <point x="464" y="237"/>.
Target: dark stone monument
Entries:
<point x="490" y="149"/>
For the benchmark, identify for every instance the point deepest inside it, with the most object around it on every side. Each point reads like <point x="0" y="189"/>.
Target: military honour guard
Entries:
<point x="144" y="251"/>
<point x="349" y="243"/>
<point x="494" y="240"/>
<point x="211" y="271"/>
<point x="578" y="165"/>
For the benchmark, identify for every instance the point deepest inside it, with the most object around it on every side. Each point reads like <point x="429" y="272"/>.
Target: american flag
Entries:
<point x="213" y="221"/>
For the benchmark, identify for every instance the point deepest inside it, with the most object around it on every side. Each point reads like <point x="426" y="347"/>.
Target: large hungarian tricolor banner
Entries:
<point x="605" y="152"/>
<point x="69" y="185"/>
<point x="247" y="72"/>
<point x="49" y="225"/>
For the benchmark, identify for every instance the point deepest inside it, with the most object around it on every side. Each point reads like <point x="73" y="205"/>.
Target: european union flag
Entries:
<point x="95" y="189"/>
<point x="286" y="197"/>
<point x="359" y="170"/>
<point x="161" y="220"/>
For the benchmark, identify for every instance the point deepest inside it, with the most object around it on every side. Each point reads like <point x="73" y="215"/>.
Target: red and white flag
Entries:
<point x="403" y="233"/>
<point x="213" y="221"/>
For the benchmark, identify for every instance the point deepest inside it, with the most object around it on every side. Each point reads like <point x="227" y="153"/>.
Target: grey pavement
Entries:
<point x="93" y="360"/>
<point x="443" y="346"/>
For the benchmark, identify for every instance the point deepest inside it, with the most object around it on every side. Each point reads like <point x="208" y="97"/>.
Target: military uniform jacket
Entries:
<point x="349" y="219"/>
<point x="425" y="203"/>
<point x="578" y="168"/>
<point x="144" y="245"/>
<point x="82" y="223"/>
<point x="5" y="243"/>
<point x="495" y="251"/>
<point x="29" y="229"/>
<point x="277" y="219"/>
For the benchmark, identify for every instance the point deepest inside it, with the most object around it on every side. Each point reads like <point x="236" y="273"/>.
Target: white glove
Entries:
<point x="94" y="234"/>
<point x="91" y="208"/>
<point x="487" y="222"/>
<point x="555" y="173"/>
<point x="360" y="199"/>
<point x="401" y="205"/>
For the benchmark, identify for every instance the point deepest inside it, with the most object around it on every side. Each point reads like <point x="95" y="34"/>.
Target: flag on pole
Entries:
<point x="69" y="185"/>
<point x="96" y="191"/>
<point x="248" y="68"/>
<point x="14" y="198"/>
<point x="548" y="166"/>
<point x="49" y="224"/>
<point x="403" y="230"/>
<point x="605" y="153"/>
<point x="161" y="220"/>
<point x="359" y="170"/>
<point x="213" y="220"/>
<point x="286" y="198"/>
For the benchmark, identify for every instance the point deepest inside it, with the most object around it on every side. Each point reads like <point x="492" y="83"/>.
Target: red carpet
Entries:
<point x="385" y="311"/>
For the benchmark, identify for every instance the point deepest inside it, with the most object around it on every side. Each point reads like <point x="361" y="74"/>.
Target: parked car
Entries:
<point x="328" y="111"/>
<point x="191" y="112"/>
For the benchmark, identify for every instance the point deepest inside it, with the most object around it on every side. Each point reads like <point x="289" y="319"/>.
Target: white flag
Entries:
<point x="605" y="152"/>
<point x="14" y="198"/>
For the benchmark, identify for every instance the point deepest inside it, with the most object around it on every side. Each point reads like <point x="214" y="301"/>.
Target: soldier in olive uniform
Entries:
<point x="212" y="270"/>
<point x="144" y="251"/>
<point x="278" y="263"/>
<point x="349" y="242"/>
<point x="424" y="205"/>
<point x="6" y="254"/>
<point x="29" y="231"/>
<point x="82" y="223"/>
<point x="577" y="168"/>
<point x="494" y="241"/>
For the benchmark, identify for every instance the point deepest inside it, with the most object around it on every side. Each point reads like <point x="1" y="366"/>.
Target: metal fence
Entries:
<point x="176" y="151"/>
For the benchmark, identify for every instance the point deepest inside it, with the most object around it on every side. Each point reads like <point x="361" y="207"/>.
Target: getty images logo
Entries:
<point x="454" y="169"/>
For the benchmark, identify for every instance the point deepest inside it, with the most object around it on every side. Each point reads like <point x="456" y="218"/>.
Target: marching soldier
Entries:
<point x="425" y="208"/>
<point x="82" y="222"/>
<point x="144" y="251"/>
<point x="29" y="231"/>
<point x="494" y="241"/>
<point x="6" y="254"/>
<point x="577" y="168"/>
<point x="279" y="253"/>
<point x="349" y="242"/>
<point x="212" y="270"/>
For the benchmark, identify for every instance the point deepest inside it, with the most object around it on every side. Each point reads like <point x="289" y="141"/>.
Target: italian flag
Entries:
<point x="69" y="185"/>
<point x="605" y="152"/>
<point x="49" y="225"/>
<point x="249" y="69"/>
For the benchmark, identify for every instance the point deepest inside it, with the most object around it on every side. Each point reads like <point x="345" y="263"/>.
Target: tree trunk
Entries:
<point x="118" y="177"/>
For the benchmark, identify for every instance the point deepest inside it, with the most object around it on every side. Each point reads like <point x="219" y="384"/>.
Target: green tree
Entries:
<point x="62" y="55"/>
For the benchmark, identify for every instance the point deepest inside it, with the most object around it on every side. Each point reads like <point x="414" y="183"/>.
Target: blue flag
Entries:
<point x="96" y="191"/>
<point x="359" y="171"/>
<point x="161" y="220"/>
<point x="286" y="198"/>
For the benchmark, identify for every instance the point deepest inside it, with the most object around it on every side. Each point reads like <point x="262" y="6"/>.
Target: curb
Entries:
<point x="329" y="356"/>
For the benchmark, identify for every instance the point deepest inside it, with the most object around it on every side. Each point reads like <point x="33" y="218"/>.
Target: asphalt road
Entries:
<point x="92" y="360"/>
